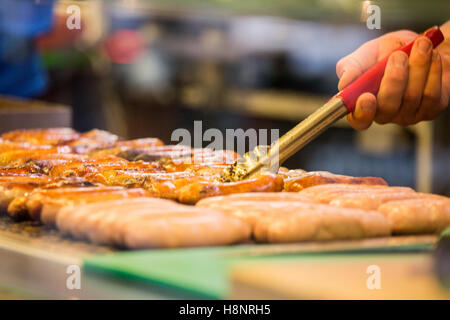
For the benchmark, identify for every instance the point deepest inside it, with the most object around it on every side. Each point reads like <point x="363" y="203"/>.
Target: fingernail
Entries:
<point x="366" y="108"/>
<point x="341" y="82"/>
<point x="400" y="60"/>
<point x="424" y="46"/>
<point x="366" y="105"/>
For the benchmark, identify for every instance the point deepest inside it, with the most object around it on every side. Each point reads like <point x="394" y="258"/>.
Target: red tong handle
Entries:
<point x="370" y="80"/>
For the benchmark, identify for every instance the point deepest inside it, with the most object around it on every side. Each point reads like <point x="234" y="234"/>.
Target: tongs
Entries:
<point x="265" y="158"/>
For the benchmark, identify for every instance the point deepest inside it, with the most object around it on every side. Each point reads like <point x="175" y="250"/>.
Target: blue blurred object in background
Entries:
<point x="21" y="71"/>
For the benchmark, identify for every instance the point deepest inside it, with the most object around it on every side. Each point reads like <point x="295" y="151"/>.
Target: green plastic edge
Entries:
<point x="203" y="272"/>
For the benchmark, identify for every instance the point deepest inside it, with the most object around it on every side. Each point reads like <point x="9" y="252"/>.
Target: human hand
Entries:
<point x="413" y="89"/>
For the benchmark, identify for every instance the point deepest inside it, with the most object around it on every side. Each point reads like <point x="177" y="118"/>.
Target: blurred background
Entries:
<point x="144" y="68"/>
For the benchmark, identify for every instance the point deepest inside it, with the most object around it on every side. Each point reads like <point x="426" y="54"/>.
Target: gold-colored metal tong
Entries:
<point x="264" y="158"/>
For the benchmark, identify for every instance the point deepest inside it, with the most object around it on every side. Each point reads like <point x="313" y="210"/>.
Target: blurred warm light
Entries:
<point x="124" y="46"/>
<point x="130" y="4"/>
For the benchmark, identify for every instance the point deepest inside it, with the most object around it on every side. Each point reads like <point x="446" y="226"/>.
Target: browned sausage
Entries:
<point x="53" y="136"/>
<point x="44" y="204"/>
<point x="193" y="192"/>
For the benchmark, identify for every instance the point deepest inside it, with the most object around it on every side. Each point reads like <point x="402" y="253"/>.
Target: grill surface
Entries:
<point x="35" y="235"/>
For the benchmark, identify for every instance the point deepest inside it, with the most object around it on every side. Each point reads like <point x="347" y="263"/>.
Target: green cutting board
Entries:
<point x="203" y="272"/>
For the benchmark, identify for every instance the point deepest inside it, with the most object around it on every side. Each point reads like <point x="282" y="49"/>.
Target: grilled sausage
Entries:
<point x="316" y="222"/>
<point x="327" y="192"/>
<point x="371" y="201"/>
<point x="266" y="182"/>
<point x="44" y="205"/>
<point x="422" y="215"/>
<point x="53" y="136"/>
<point x="309" y="179"/>
<point x="151" y="223"/>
